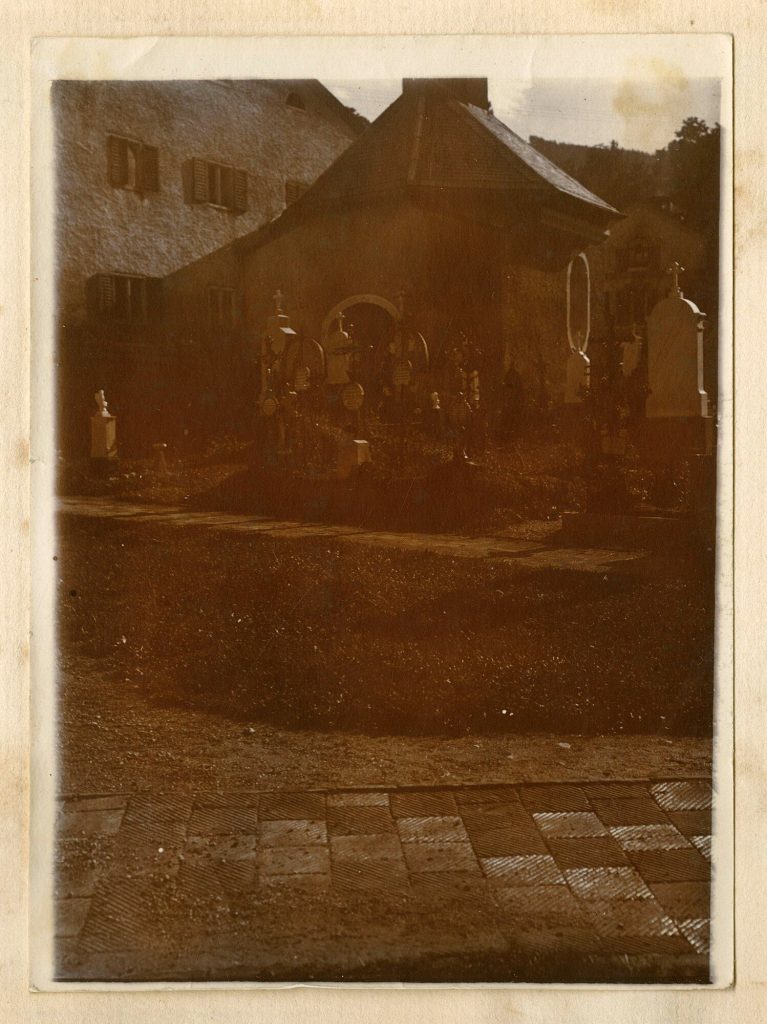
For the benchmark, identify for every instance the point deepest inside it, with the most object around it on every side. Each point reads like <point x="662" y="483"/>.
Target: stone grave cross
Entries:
<point x="675" y="270"/>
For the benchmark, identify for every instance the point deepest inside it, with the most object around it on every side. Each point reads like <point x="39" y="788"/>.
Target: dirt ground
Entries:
<point x="196" y="660"/>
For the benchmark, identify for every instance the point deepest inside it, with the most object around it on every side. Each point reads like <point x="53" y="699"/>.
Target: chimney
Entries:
<point x="465" y="90"/>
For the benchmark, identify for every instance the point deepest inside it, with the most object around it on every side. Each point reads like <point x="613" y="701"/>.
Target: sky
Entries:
<point x="640" y="113"/>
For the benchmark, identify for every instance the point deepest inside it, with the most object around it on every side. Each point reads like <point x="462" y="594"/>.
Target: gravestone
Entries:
<point x="632" y="352"/>
<point x="402" y="373"/>
<point x="103" y="433"/>
<point x="352" y="453"/>
<point x="678" y="419"/>
<point x="278" y="330"/>
<point x="678" y="427"/>
<point x="337" y="351"/>
<point x="577" y="379"/>
<point x="352" y="396"/>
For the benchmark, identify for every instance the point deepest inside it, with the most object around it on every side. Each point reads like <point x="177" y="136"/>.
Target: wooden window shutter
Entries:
<point x="240" y="191"/>
<point x="107" y="292"/>
<point x="115" y="160"/>
<point x="150" y="178"/>
<point x="199" y="181"/>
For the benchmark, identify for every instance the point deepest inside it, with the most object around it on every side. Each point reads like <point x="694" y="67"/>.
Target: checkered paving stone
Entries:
<point x="358" y="799"/>
<point x="75" y="823"/>
<point x="697" y="933"/>
<point x="79" y="864"/>
<point x="292" y="806"/>
<point x="388" y="875"/>
<point x="570" y="823"/>
<point x="432" y="830"/>
<point x="672" y="865"/>
<point x="535" y="869"/>
<point x="235" y="800"/>
<point x="691" y="823"/>
<point x="382" y="846"/>
<point x="482" y="795"/>
<point x="449" y="886"/>
<point x="599" y="868"/>
<point x="292" y="833"/>
<point x="439" y="857"/>
<point x="648" y="837"/>
<point x="587" y="852"/>
<point x="554" y="798"/>
<point x="361" y="820"/>
<point x="702" y="843"/>
<point x="682" y="796"/>
<point x="420" y="804"/>
<point x="629" y="812"/>
<point x="607" y="883"/>
<point x="683" y="900"/>
<point x="293" y="860"/>
<point x="222" y="821"/>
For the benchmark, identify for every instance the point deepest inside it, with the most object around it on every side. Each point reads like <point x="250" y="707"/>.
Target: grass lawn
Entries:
<point x="315" y="635"/>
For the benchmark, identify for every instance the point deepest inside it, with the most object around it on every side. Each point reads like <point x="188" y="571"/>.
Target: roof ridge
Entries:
<point x="480" y="117"/>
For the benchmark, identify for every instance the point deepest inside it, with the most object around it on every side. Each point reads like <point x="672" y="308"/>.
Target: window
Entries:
<point x="222" y="307"/>
<point x="294" y="190"/>
<point x="636" y="257"/>
<point x="132" y="165"/>
<point x="127" y="298"/>
<point x="219" y="185"/>
<point x="296" y="101"/>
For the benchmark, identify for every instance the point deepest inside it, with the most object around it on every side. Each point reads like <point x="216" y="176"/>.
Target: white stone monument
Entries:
<point x="337" y="355"/>
<point x="103" y="431"/>
<point x="632" y="351"/>
<point x="675" y="357"/>
<point x="352" y="454"/>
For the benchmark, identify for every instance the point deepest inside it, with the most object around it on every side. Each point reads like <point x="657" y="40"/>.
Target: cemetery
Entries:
<point x="438" y="518"/>
<point x="476" y="372"/>
<point x="635" y="448"/>
<point x="629" y="455"/>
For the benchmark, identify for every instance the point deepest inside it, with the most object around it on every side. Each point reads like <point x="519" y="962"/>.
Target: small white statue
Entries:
<point x="101" y="404"/>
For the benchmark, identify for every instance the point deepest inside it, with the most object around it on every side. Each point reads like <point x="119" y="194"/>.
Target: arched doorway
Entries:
<point x="371" y="322"/>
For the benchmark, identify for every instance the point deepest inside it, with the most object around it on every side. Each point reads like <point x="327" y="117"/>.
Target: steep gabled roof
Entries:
<point x="537" y="162"/>
<point x="428" y="142"/>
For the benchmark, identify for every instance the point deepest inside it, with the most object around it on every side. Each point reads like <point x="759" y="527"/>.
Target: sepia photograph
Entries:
<point x="387" y="531"/>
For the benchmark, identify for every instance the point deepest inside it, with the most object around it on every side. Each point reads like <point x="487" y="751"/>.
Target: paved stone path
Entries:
<point x="531" y="554"/>
<point x="592" y="881"/>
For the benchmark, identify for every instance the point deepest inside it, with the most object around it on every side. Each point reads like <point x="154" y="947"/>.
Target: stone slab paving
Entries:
<point x="530" y="554"/>
<point x="601" y="881"/>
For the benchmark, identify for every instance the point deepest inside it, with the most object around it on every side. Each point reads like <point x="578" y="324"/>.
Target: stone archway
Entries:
<point x="372" y="322"/>
<point x="356" y="300"/>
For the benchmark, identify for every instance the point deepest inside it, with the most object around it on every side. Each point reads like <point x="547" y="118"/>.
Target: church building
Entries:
<point x="438" y="220"/>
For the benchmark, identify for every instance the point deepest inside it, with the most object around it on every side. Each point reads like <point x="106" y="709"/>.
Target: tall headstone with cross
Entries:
<point x="675" y="357"/>
<point x="337" y="350"/>
<point x="678" y="426"/>
<point x="279" y="333"/>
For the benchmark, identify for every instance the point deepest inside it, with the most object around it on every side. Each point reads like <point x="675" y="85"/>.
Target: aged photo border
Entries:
<point x="148" y="59"/>
<point x="748" y="27"/>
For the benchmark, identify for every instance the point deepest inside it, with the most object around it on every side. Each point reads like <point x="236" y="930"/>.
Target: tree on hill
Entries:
<point x="691" y="164"/>
<point x="686" y="170"/>
<point x="616" y="175"/>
